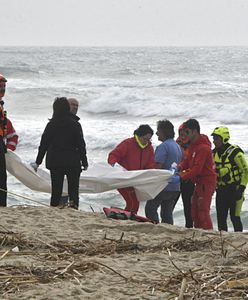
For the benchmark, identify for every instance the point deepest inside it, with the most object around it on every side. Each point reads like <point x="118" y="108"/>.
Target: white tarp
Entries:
<point x="97" y="179"/>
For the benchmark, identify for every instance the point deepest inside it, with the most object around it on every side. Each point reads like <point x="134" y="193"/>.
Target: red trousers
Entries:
<point x="132" y="203"/>
<point x="201" y="202"/>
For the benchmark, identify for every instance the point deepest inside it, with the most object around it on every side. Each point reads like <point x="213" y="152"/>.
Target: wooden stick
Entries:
<point x="112" y="270"/>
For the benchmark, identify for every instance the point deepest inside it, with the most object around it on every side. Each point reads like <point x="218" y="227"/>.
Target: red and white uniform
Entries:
<point x="11" y="137"/>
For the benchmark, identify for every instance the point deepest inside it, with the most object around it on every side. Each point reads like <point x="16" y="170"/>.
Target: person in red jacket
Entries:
<point x="199" y="167"/>
<point x="134" y="153"/>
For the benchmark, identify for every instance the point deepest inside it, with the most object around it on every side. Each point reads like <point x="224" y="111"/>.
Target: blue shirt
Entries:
<point x="166" y="154"/>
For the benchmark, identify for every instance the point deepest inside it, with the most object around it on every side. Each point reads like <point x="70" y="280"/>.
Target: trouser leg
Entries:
<point x="73" y="176"/>
<point x="3" y="178"/>
<point x="235" y="211"/>
<point x="151" y="208"/>
<point x="201" y="202"/>
<point x="222" y="207"/>
<point x="132" y="203"/>
<point x="167" y="206"/>
<point x="57" y="179"/>
<point x="187" y="189"/>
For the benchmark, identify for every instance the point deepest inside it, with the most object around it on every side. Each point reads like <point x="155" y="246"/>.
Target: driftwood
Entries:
<point x="75" y="259"/>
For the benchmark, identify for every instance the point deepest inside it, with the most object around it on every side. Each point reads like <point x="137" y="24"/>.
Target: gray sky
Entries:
<point x="124" y="22"/>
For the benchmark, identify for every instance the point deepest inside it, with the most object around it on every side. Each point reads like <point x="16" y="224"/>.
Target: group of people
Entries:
<point x="62" y="142"/>
<point x="199" y="171"/>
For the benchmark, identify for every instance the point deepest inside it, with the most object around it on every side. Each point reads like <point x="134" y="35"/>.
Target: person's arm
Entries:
<point x="243" y="167"/>
<point x="12" y="137"/>
<point x="200" y="158"/>
<point x="44" y="144"/>
<point x="117" y="154"/>
<point x="82" y="148"/>
<point x="151" y="162"/>
<point x="161" y="155"/>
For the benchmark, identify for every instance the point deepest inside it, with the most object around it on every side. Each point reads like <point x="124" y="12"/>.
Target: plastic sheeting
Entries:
<point x="97" y="179"/>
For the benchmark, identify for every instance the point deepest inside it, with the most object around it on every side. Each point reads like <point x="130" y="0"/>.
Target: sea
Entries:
<point x="118" y="89"/>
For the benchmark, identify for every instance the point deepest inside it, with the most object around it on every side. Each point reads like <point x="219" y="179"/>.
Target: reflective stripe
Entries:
<point x="12" y="143"/>
<point x="10" y="135"/>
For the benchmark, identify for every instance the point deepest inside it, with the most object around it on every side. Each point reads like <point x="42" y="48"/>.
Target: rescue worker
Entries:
<point x="198" y="166"/>
<point x="135" y="153"/>
<point x="187" y="186"/>
<point x="3" y="133"/>
<point x="232" y="178"/>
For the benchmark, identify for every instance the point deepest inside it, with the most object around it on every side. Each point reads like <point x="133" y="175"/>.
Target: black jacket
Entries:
<point x="64" y="144"/>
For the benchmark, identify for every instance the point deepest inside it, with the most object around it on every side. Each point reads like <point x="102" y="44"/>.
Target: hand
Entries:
<point x="85" y="168"/>
<point x="174" y="179"/>
<point x="34" y="165"/>
<point x="113" y="165"/>
<point x="240" y="192"/>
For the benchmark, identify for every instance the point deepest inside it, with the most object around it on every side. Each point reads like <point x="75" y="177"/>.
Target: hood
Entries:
<point x="202" y="140"/>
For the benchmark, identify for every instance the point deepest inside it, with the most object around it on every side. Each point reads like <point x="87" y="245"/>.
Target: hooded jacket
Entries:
<point x="199" y="164"/>
<point x="130" y="156"/>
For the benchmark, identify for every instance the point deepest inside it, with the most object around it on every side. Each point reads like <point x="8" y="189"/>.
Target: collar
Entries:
<point x="139" y="142"/>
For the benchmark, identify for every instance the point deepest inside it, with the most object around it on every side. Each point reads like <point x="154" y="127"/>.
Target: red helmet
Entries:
<point x="2" y="78"/>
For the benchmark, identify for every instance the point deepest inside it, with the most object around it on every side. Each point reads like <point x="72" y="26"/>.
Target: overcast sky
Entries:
<point x="124" y="22"/>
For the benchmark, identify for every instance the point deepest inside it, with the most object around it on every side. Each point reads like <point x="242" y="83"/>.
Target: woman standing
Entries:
<point x="135" y="153"/>
<point x="63" y="143"/>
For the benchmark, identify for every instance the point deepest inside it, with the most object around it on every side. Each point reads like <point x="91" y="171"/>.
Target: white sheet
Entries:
<point x="97" y="179"/>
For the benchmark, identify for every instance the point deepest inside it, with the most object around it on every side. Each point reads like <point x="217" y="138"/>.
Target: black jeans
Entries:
<point x="57" y="177"/>
<point x="3" y="174"/>
<point x="226" y="200"/>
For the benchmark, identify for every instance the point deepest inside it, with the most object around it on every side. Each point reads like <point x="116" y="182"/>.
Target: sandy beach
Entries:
<point x="50" y="253"/>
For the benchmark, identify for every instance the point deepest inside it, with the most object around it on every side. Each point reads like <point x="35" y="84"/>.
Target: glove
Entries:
<point x="113" y="165"/>
<point x="34" y="165"/>
<point x="239" y="192"/>
<point x="174" y="179"/>
<point x="84" y="168"/>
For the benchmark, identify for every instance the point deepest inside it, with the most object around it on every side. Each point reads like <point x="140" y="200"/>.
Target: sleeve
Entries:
<point x="82" y="147"/>
<point x="117" y="155"/>
<point x="151" y="161"/>
<point x="198" y="163"/>
<point x="12" y="137"/>
<point x="44" y="144"/>
<point x="161" y="154"/>
<point x="243" y="167"/>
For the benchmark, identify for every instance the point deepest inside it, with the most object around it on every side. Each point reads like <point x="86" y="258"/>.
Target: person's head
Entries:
<point x="3" y="81"/>
<point x="73" y="105"/>
<point x="61" y="107"/>
<point x="144" y="133"/>
<point x="221" y="136"/>
<point x="192" y="129"/>
<point x="182" y="139"/>
<point x="165" y="130"/>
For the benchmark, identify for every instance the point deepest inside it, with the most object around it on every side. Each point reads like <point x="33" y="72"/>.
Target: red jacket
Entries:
<point x="11" y="137"/>
<point x="199" y="164"/>
<point x="131" y="157"/>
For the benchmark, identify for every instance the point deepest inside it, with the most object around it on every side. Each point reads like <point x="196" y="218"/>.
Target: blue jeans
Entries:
<point x="166" y="200"/>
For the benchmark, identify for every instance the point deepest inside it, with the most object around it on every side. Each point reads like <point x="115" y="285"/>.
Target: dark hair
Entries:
<point x="167" y="128"/>
<point x="143" y="130"/>
<point x="61" y="107"/>
<point x="192" y="124"/>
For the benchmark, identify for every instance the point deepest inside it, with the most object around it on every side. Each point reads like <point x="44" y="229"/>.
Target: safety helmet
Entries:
<point x="223" y="132"/>
<point x="2" y="78"/>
